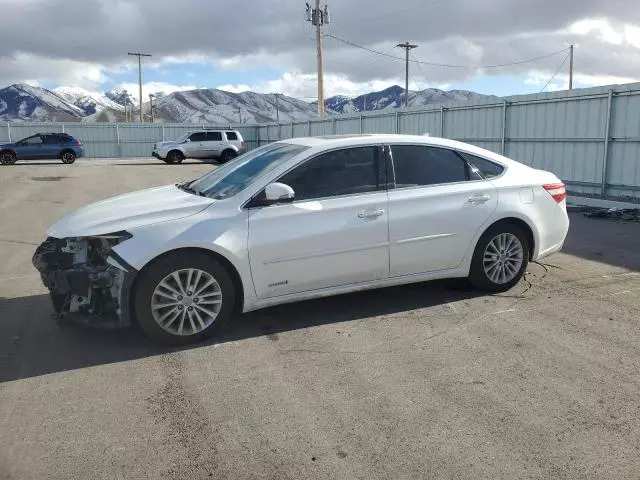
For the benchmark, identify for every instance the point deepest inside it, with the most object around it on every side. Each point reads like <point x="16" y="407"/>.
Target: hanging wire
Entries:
<point x="555" y="73"/>
<point x="433" y="64"/>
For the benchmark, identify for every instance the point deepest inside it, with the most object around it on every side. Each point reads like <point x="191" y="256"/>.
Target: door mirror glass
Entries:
<point x="278" y="193"/>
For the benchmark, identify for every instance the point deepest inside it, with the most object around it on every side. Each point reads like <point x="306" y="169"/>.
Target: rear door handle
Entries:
<point x="370" y="213"/>
<point x="479" y="199"/>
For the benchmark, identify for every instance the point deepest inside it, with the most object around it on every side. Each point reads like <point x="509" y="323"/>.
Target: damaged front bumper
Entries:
<point x="88" y="282"/>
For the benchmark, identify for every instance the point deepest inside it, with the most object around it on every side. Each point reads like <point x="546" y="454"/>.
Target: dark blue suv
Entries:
<point x="42" y="146"/>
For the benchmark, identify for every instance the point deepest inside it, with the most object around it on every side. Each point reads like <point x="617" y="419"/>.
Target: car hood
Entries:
<point x="167" y="143"/>
<point x="136" y="209"/>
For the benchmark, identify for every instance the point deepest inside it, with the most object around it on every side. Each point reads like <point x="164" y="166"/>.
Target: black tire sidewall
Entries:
<point x="174" y="156"/>
<point x="151" y="275"/>
<point x="68" y="162"/>
<point x="12" y="160"/>
<point x="227" y="155"/>
<point x="477" y="275"/>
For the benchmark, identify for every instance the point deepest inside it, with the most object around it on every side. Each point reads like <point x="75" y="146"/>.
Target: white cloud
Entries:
<point x="601" y="26"/>
<point x="561" y="81"/>
<point x="304" y="86"/>
<point x="235" y="88"/>
<point x="21" y="67"/>
<point x="153" y="88"/>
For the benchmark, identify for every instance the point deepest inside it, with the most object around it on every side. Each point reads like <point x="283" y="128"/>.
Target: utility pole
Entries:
<point x="318" y="18"/>
<point x="239" y="115"/>
<point x="140" y="55"/>
<point x="151" y="106"/>
<point x="277" y="109"/>
<point x="571" y="67"/>
<point x="407" y="46"/>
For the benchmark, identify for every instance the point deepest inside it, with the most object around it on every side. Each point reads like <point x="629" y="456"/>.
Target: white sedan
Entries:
<point x="299" y="219"/>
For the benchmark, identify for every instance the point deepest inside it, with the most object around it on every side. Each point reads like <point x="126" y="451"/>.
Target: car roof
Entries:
<point x="338" y="141"/>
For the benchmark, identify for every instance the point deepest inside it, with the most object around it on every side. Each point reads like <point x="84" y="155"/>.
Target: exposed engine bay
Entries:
<point x="83" y="280"/>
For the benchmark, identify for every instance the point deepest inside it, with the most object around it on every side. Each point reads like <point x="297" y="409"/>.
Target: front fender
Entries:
<point x="209" y="230"/>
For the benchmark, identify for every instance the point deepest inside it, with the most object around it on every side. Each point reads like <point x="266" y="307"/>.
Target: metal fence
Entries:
<point x="589" y="137"/>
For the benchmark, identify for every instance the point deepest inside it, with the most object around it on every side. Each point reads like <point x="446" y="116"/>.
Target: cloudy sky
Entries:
<point x="266" y="46"/>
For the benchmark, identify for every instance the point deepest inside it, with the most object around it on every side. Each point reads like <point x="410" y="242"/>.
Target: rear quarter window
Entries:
<point x="487" y="168"/>
<point x="231" y="135"/>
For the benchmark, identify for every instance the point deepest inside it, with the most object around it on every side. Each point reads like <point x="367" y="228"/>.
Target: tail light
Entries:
<point x="242" y="144"/>
<point x="78" y="143"/>
<point x="557" y="190"/>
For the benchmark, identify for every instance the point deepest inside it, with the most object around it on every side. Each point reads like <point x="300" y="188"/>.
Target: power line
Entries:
<point x="556" y="72"/>
<point x="433" y="64"/>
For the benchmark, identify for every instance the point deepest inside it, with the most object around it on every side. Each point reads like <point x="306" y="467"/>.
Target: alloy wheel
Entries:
<point x="186" y="301"/>
<point x="503" y="258"/>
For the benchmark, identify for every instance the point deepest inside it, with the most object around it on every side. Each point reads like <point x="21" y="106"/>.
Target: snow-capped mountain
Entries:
<point x="22" y="102"/>
<point x="218" y="106"/>
<point x="90" y="102"/>
<point x="393" y="97"/>
<point x="121" y="97"/>
<point x="26" y="103"/>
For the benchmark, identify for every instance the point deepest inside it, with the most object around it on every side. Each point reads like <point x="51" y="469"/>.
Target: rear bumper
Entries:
<point x="156" y="155"/>
<point x="79" y="152"/>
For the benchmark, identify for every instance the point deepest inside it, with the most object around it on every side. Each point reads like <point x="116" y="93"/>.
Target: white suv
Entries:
<point x="221" y="144"/>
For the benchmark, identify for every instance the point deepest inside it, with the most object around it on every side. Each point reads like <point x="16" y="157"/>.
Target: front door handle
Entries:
<point x="370" y="213"/>
<point x="479" y="199"/>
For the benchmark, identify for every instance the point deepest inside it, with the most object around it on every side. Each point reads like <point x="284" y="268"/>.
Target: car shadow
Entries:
<point x="604" y="240"/>
<point x="32" y="344"/>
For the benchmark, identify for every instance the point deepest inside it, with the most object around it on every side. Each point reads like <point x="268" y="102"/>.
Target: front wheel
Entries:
<point x="68" y="157"/>
<point x="500" y="258"/>
<point x="7" y="158"/>
<point x="184" y="297"/>
<point x="174" y="156"/>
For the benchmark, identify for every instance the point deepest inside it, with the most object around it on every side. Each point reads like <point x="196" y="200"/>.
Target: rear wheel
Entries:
<point x="68" y="157"/>
<point x="184" y="297"/>
<point x="500" y="258"/>
<point x="227" y="155"/>
<point x="175" y="156"/>
<point x="7" y="158"/>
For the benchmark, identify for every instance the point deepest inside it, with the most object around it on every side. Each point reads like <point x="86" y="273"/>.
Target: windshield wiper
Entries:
<point x="186" y="188"/>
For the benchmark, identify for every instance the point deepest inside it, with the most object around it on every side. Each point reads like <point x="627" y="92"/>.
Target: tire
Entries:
<point x="174" y="156"/>
<point x="151" y="298"/>
<point x="227" y="155"/>
<point x="500" y="258"/>
<point x="7" y="158"/>
<point x="68" y="157"/>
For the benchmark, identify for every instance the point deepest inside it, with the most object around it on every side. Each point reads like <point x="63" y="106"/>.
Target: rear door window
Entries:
<point x="51" y="139"/>
<point x="214" y="136"/>
<point x="417" y="165"/>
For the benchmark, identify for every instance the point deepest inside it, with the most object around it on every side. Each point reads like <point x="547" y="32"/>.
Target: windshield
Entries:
<point x="182" y="138"/>
<point x="235" y="176"/>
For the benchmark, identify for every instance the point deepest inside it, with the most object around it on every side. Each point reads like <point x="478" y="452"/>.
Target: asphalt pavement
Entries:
<point x="430" y="380"/>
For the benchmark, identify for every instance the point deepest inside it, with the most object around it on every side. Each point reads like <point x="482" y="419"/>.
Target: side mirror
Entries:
<point x="278" y="193"/>
<point x="187" y="140"/>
